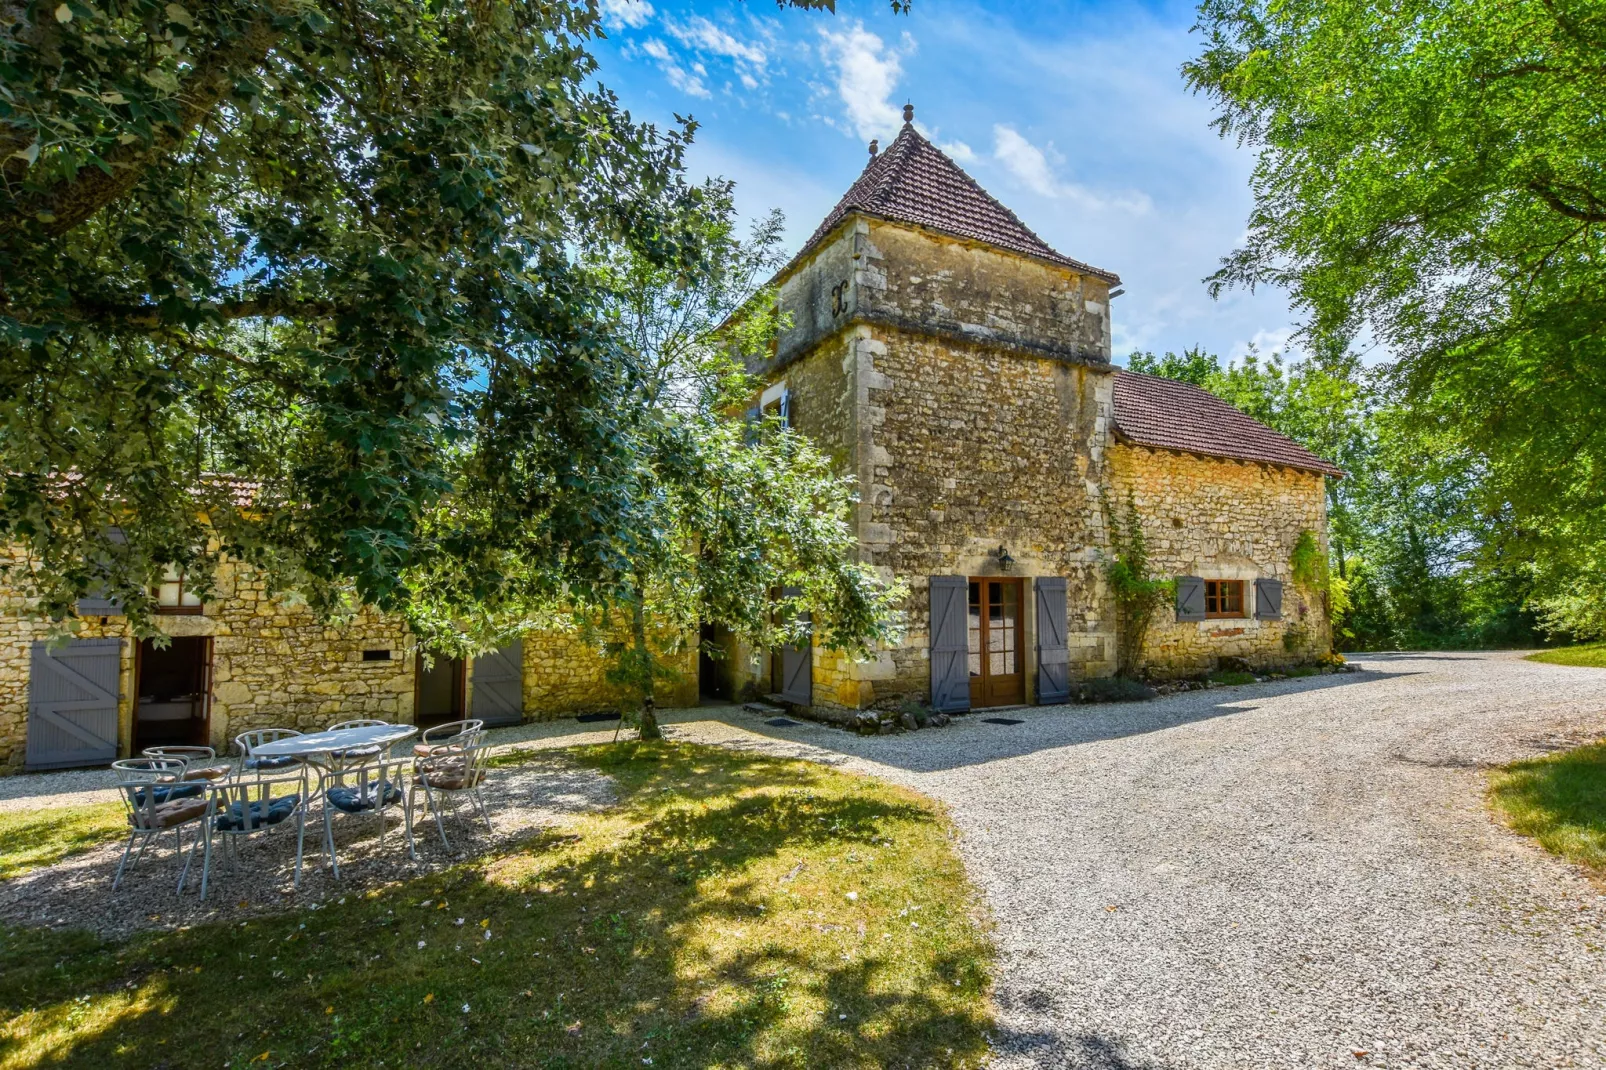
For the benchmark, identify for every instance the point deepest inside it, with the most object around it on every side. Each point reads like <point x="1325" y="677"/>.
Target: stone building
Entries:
<point x="248" y="659"/>
<point x="959" y="367"/>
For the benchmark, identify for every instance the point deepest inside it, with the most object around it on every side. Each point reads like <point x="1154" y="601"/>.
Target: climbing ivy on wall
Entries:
<point x="1138" y="593"/>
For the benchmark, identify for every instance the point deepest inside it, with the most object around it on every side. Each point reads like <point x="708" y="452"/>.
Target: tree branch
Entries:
<point x="1551" y="198"/>
<point x="73" y="201"/>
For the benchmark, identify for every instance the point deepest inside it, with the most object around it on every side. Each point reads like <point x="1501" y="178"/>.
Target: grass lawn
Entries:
<point x="1560" y="800"/>
<point x="1591" y="656"/>
<point x="731" y="910"/>
<point x="33" y="838"/>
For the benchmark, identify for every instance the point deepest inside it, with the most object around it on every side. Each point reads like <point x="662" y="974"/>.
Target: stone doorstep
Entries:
<point x="763" y="709"/>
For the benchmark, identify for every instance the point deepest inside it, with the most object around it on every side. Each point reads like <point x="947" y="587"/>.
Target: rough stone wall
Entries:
<point x="564" y="675"/>
<point x="273" y="664"/>
<point x="1221" y="519"/>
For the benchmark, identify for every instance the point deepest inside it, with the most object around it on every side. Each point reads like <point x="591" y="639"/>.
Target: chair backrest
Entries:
<point x="462" y="759"/>
<point x="248" y="741"/>
<point x="448" y="732"/>
<point x="187" y="755"/>
<point x="361" y="722"/>
<point x="378" y="777"/>
<point x="251" y="797"/>
<point x="137" y="779"/>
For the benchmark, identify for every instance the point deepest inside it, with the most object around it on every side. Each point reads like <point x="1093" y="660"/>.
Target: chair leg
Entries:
<point x="407" y="816"/>
<point x="329" y="841"/>
<point x="184" y="874"/>
<point x="429" y="794"/>
<point x="206" y="862"/>
<point x="118" y="879"/>
<point x="301" y="839"/>
<point x="479" y="801"/>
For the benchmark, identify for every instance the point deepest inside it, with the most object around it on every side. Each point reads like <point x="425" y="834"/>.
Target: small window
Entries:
<point x="173" y="595"/>
<point x="376" y="655"/>
<point x="1224" y="598"/>
<point x="780" y="405"/>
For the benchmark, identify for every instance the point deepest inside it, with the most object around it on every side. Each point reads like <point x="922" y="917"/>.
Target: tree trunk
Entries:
<point x="638" y="630"/>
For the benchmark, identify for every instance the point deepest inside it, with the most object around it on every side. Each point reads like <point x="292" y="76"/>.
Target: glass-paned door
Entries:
<point x="997" y="670"/>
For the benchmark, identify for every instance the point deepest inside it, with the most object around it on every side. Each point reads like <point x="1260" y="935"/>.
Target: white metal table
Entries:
<point x="317" y="744"/>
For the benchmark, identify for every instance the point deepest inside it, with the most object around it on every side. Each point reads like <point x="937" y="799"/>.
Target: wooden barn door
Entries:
<point x="72" y="703"/>
<point x="797" y="666"/>
<point x="498" y="693"/>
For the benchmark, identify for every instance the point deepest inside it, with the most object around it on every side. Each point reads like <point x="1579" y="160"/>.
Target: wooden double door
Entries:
<point x="997" y="665"/>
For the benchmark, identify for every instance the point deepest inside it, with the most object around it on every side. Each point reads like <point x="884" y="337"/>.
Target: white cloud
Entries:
<point x="632" y="13"/>
<point x="1265" y="343"/>
<point x="958" y="151"/>
<point x="703" y="35"/>
<point x="1031" y="166"/>
<point x="867" y="72"/>
<point x="678" y="76"/>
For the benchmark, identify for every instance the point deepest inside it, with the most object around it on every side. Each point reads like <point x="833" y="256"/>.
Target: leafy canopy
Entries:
<point x="1432" y="172"/>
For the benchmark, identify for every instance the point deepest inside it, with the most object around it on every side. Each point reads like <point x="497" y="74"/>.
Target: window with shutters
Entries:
<point x="173" y="596"/>
<point x="1224" y="598"/>
<point x="779" y="402"/>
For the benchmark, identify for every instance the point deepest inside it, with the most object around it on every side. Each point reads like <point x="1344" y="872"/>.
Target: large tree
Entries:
<point x="1433" y="172"/>
<point x="282" y="279"/>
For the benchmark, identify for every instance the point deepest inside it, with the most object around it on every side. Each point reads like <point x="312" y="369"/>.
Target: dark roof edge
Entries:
<point x="1331" y="471"/>
<point x="825" y="239"/>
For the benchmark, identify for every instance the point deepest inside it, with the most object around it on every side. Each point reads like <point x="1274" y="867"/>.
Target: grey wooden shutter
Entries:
<point x="797" y="664"/>
<point x="1268" y="599"/>
<point x="950" y="645"/>
<point x="1053" y="656"/>
<point x="72" y="703"/>
<point x="498" y="695"/>
<point x="1190" y="598"/>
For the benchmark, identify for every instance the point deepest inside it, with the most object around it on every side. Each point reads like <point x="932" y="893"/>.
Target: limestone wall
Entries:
<point x="1221" y="519"/>
<point x="564" y="675"/>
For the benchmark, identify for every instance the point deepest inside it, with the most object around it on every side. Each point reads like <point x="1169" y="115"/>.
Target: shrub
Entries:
<point x="1116" y="689"/>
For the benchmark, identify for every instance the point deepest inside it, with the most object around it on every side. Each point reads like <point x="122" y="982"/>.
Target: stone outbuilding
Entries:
<point x="959" y="368"/>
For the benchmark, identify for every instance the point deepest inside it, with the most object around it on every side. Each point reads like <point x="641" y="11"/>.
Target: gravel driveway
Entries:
<point x="1295" y="874"/>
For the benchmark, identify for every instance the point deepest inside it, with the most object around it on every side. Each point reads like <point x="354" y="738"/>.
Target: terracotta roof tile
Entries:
<point x="913" y="181"/>
<point x="1166" y="414"/>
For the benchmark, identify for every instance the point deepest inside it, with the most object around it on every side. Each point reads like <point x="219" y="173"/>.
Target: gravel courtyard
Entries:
<point x="1294" y="874"/>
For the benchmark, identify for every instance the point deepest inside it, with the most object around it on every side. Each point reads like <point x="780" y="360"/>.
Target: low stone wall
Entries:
<point x="564" y="675"/>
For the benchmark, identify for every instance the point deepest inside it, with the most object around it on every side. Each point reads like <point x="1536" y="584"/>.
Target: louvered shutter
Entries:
<point x="498" y="686"/>
<point x="1053" y="656"/>
<point x="950" y="645"/>
<point x="72" y="703"/>
<point x="1268" y="599"/>
<point x="1190" y="598"/>
<point x="797" y="664"/>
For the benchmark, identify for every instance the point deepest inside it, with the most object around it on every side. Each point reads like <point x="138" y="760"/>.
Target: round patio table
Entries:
<point x="314" y="745"/>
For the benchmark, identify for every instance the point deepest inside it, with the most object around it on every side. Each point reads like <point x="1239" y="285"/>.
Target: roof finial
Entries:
<point x="908" y="113"/>
<point x="875" y="147"/>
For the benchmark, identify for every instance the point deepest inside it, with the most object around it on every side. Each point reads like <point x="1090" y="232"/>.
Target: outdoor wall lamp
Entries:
<point x="1005" y="562"/>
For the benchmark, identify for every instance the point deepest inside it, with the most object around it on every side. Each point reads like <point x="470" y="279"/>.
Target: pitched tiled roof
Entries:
<point x="913" y="181"/>
<point x="1166" y="414"/>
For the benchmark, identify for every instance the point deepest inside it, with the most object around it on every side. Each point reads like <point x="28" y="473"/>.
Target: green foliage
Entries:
<point x="329" y="249"/>
<point x="1116" y="689"/>
<point x="1430" y="173"/>
<point x="1138" y="593"/>
<point x="1231" y="678"/>
<point x="1560" y="800"/>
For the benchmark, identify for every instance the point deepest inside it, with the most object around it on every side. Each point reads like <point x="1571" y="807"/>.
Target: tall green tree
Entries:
<point x="1432" y="172"/>
<point x="295" y="281"/>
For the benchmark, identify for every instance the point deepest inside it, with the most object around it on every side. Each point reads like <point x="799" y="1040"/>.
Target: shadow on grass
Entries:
<point x="1560" y="800"/>
<point x="704" y="921"/>
<point x="33" y="838"/>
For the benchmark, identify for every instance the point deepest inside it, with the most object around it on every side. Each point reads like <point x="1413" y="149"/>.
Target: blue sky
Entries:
<point x="1073" y="115"/>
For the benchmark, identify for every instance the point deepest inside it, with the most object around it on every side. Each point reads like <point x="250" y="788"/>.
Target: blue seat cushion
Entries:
<point x="166" y="792"/>
<point x="272" y="761"/>
<point x="355" y="800"/>
<point x="234" y="819"/>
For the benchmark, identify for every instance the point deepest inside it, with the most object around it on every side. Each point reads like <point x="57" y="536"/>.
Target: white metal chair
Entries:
<point x="200" y="763"/>
<point x="375" y="787"/>
<point x="357" y="754"/>
<point x="451" y="768"/>
<point x="157" y="802"/>
<point x="253" y="803"/>
<point x="442" y="735"/>
<point x="247" y="742"/>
